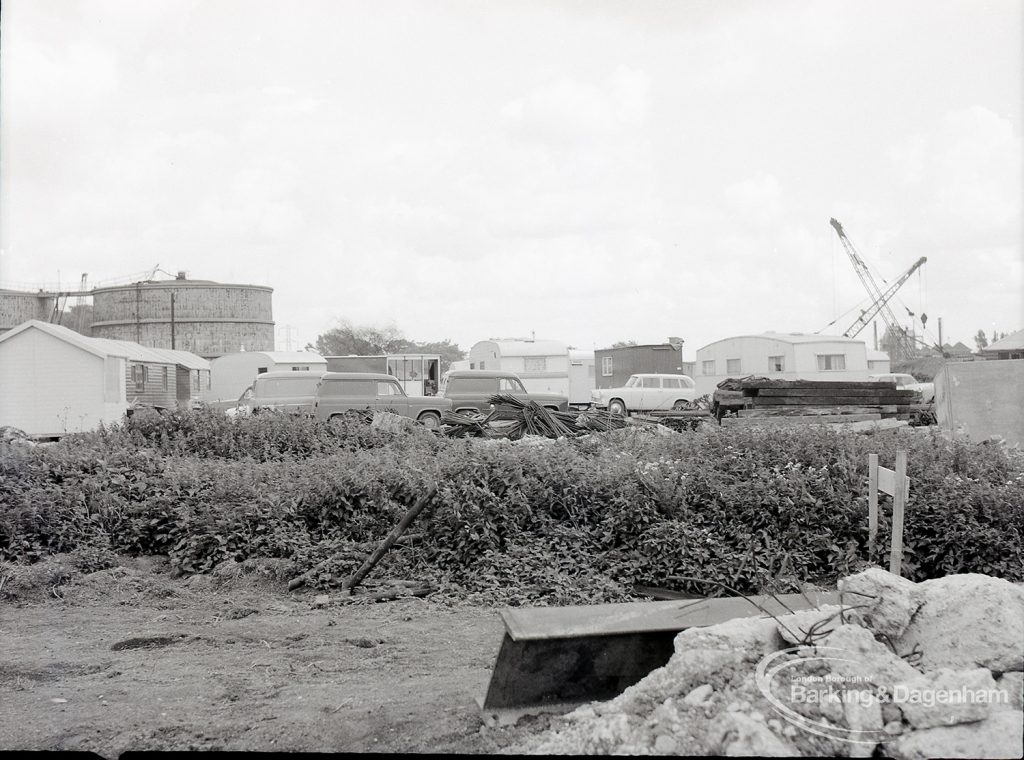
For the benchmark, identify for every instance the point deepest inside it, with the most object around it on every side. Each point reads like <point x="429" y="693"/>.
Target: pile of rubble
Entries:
<point x="912" y="671"/>
<point x="513" y="418"/>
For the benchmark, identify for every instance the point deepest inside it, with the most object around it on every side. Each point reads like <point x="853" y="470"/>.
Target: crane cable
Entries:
<point x="858" y="305"/>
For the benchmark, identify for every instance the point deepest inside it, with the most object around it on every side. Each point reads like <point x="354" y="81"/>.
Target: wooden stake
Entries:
<point x="899" y="499"/>
<point x="872" y="502"/>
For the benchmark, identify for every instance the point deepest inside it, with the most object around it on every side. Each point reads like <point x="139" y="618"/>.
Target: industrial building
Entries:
<point x="17" y="307"/>
<point x="200" y="316"/>
<point x="207" y="318"/>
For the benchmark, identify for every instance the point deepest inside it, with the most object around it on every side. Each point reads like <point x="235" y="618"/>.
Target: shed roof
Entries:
<point x="183" y="358"/>
<point x="108" y="347"/>
<point x="794" y="338"/>
<point x="513" y="347"/>
<point x="62" y="333"/>
<point x="1012" y="342"/>
<point x="281" y="357"/>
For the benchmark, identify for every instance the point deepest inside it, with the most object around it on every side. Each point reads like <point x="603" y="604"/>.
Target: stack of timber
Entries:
<point x="800" y="401"/>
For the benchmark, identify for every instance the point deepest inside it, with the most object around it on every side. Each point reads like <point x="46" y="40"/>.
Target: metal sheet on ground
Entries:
<point x="627" y="617"/>
<point x="567" y="655"/>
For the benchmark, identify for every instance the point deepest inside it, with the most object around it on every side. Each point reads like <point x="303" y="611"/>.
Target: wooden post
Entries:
<point x="389" y="541"/>
<point x="872" y="502"/>
<point x="899" y="499"/>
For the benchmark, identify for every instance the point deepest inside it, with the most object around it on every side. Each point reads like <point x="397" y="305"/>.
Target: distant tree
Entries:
<point x="347" y="338"/>
<point x="623" y="343"/>
<point x="363" y="340"/>
<point x="980" y="340"/>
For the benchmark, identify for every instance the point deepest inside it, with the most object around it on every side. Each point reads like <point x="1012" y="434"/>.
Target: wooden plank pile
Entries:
<point x="798" y="401"/>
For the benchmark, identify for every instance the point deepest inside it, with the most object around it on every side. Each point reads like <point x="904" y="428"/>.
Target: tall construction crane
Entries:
<point x="880" y="299"/>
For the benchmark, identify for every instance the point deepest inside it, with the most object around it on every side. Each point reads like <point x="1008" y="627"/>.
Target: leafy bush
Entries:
<point x="551" y="521"/>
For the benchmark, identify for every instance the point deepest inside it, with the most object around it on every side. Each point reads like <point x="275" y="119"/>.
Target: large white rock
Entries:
<point x="946" y="697"/>
<point x="755" y="636"/>
<point x="737" y="735"/>
<point x="879" y="600"/>
<point x="1001" y="736"/>
<point x="856" y="658"/>
<point x="864" y="722"/>
<point x="1012" y="685"/>
<point x="968" y="621"/>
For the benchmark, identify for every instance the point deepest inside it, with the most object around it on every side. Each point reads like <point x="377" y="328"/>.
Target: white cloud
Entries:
<point x="757" y="199"/>
<point x="568" y="113"/>
<point x="965" y="176"/>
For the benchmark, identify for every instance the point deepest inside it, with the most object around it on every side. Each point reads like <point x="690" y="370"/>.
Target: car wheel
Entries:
<point x="616" y="406"/>
<point x="430" y="420"/>
<point x="681" y="404"/>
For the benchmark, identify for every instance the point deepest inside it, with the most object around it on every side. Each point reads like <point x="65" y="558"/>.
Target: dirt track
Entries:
<point x="131" y="660"/>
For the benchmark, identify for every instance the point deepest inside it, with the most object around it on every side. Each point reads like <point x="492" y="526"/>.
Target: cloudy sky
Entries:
<point x="583" y="171"/>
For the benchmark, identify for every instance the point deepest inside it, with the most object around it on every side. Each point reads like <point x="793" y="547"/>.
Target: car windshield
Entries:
<point x="633" y="380"/>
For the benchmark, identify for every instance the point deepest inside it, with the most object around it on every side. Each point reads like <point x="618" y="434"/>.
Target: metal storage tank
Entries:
<point x="207" y="318"/>
<point x="18" y="306"/>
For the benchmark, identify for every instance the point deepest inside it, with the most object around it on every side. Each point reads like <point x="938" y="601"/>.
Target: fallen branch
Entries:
<point x="390" y="539"/>
<point x="400" y="592"/>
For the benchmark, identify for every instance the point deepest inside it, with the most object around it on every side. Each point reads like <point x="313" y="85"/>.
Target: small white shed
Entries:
<point x="231" y="374"/>
<point x="54" y="380"/>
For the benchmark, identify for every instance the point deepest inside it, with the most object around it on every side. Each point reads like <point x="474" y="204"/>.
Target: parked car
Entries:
<point x="470" y="390"/>
<point x="280" y="390"/>
<point x="905" y="382"/>
<point x="341" y="392"/>
<point x="646" y="393"/>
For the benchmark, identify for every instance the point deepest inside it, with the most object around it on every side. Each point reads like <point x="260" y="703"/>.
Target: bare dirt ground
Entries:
<point x="131" y="659"/>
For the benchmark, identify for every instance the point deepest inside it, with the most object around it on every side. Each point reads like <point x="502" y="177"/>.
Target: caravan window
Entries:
<point x="831" y="362"/>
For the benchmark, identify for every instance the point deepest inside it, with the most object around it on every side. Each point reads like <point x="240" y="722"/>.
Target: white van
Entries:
<point x="281" y="390"/>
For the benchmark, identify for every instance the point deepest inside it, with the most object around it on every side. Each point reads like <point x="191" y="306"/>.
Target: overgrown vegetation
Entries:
<point x="531" y="522"/>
